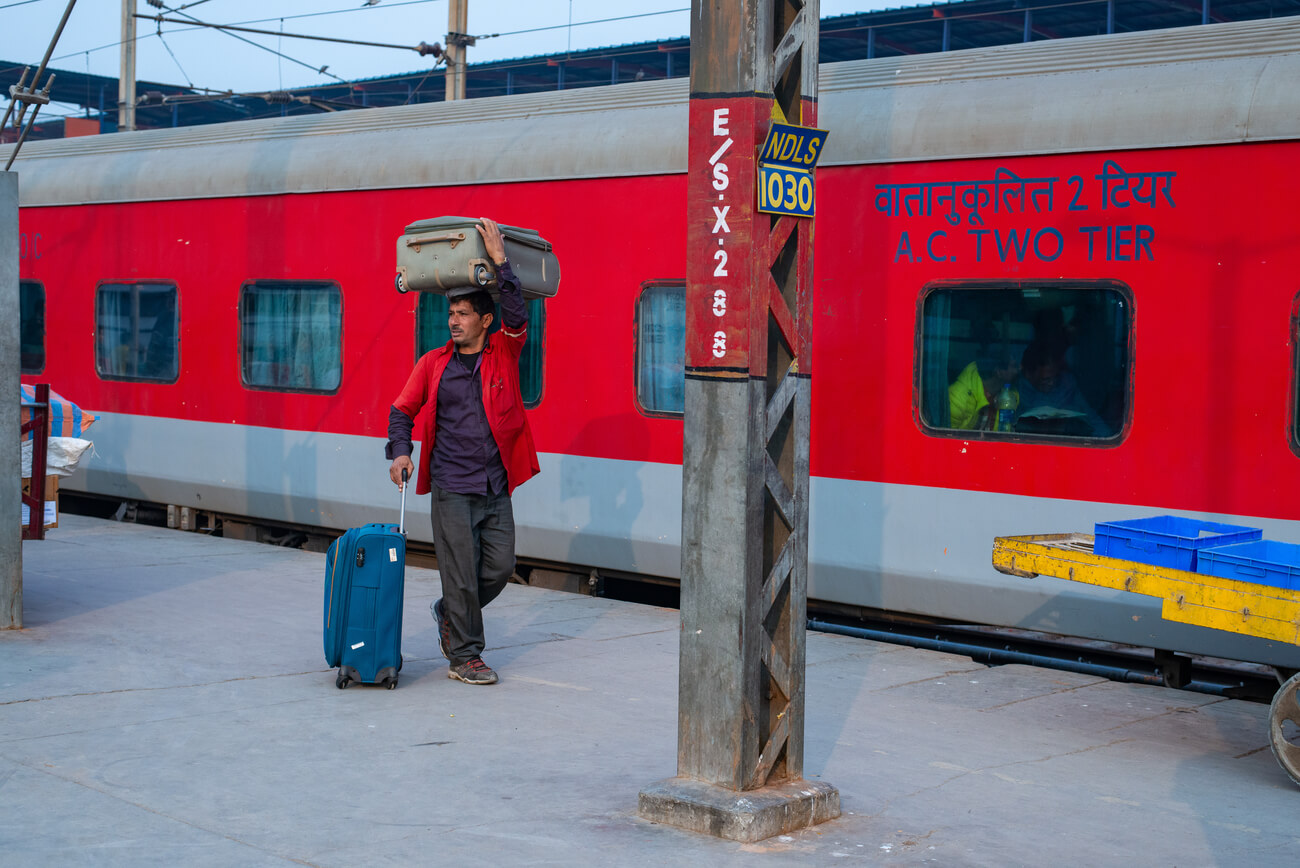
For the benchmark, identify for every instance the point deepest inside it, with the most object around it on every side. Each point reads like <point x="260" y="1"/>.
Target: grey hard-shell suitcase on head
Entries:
<point x="448" y="253"/>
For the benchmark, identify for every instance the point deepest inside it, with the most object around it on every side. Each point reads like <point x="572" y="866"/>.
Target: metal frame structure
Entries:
<point x="745" y="455"/>
<point x="39" y="426"/>
<point x="1235" y="605"/>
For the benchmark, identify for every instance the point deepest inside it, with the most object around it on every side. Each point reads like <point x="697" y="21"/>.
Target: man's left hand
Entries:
<point x="496" y="245"/>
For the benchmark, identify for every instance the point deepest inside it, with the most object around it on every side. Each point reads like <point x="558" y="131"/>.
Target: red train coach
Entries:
<point x="1103" y="223"/>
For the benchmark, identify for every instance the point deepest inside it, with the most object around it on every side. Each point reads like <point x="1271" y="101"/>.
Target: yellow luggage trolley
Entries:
<point x="1189" y="598"/>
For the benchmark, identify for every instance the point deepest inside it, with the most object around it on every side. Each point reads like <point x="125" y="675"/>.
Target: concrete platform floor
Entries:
<point x="168" y="704"/>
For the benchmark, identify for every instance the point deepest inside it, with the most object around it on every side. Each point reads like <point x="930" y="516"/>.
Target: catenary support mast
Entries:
<point x="457" y="43"/>
<point x="745" y="456"/>
<point x="126" y="74"/>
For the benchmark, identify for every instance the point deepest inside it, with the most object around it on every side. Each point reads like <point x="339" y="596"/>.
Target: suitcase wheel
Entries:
<point x="400" y="284"/>
<point x="342" y="681"/>
<point x="481" y="275"/>
<point x="391" y="682"/>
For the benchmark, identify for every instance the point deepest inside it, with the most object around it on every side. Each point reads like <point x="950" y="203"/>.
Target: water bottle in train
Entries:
<point x="1005" y="405"/>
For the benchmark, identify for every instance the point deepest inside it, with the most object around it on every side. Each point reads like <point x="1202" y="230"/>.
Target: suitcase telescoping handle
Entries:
<point x="401" y="519"/>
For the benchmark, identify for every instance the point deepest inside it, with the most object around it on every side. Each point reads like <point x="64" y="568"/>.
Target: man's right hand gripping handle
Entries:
<point x="400" y="463"/>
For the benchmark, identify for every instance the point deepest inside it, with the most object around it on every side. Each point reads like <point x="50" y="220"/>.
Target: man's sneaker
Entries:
<point x="444" y="629"/>
<point x="473" y="671"/>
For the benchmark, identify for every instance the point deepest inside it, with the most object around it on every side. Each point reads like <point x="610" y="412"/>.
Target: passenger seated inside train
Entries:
<point x="970" y="397"/>
<point x="1050" y="400"/>
<point x="970" y="336"/>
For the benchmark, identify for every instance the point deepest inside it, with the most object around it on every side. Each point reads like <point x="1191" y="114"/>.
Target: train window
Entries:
<point x="1295" y="376"/>
<point x="661" y="349"/>
<point x="31" y="318"/>
<point x="291" y="335"/>
<point x="431" y="332"/>
<point x="137" y="331"/>
<point x="1025" y="360"/>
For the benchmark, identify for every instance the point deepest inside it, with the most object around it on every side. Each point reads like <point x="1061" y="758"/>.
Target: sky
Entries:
<point x="206" y="58"/>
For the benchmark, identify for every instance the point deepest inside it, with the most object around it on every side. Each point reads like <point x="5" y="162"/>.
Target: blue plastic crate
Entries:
<point x="1167" y="540"/>
<point x="1264" y="562"/>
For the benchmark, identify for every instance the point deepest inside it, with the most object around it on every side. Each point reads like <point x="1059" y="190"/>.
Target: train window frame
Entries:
<point x="1017" y="437"/>
<point x="176" y="338"/>
<point x="26" y="285"/>
<point x="273" y="283"/>
<point x="536" y="333"/>
<point x="637" y="327"/>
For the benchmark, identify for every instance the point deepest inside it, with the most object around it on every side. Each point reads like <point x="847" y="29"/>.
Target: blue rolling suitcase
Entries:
<point x="364" y="583"/>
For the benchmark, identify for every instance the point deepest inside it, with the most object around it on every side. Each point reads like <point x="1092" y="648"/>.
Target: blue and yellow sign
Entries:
<point x="785" y="191"/>
<point x="785" y="163"/>
<point x="793" y="147"/>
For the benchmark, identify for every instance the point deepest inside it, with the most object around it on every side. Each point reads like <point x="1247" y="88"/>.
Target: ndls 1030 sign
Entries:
<point x="785" y="164"/>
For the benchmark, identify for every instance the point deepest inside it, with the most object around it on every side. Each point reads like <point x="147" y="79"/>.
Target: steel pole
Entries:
<point x="746" y="447"/>
<point x="126" y="71"/>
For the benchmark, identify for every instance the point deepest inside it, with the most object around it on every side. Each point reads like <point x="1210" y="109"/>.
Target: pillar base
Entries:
<point x="746" y="816"/>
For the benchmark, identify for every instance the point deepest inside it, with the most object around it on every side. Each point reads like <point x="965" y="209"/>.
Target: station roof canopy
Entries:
<point x="931" y="27"/>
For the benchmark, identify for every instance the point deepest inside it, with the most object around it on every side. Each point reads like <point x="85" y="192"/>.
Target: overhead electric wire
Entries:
<point x="194" y="23"/>
<point x="486" y="35"/>
<point x="99" y="48"/>
<point x="217" y="94"/>
<point x="386" y="6"/>
<point x="495" y="66"/>
<point x="593" y="21"/>
<point x="318" y="71"/>
<point x="51" y="115"/>
<point x="416" y="89"/>
<point x="876" y="26"/>
<point x="230" y="27"/>
<point x="519" y="63"/>
<point x="184" y="74"/>
<point x="151" y="35"/>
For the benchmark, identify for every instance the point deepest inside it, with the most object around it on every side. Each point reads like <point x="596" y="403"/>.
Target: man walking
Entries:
<point x="477" y="450"/>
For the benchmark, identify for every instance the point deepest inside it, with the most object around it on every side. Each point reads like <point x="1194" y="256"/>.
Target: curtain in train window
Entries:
<point x="661" y="349"/>
<point x="1042" y="359"/>
<point x="31" y="319"/>
<point x="291" y="336"/>
<point x="431" y="332"/>
<point x="137" y="331"/>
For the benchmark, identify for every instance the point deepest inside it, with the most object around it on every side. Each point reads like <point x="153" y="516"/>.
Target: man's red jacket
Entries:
<point x="503" y="404"/>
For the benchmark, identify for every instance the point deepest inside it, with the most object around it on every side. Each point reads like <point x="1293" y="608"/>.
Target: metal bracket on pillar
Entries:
<point x="23" y="97"/>
<point x="745" y="453"/>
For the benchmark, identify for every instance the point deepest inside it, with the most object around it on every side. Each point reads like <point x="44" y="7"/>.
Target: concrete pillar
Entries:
<point x="126" y="70"/>
<point x="457" y="24"/>
<point x="11" y="546"/>
<point x="745" y="455"/>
